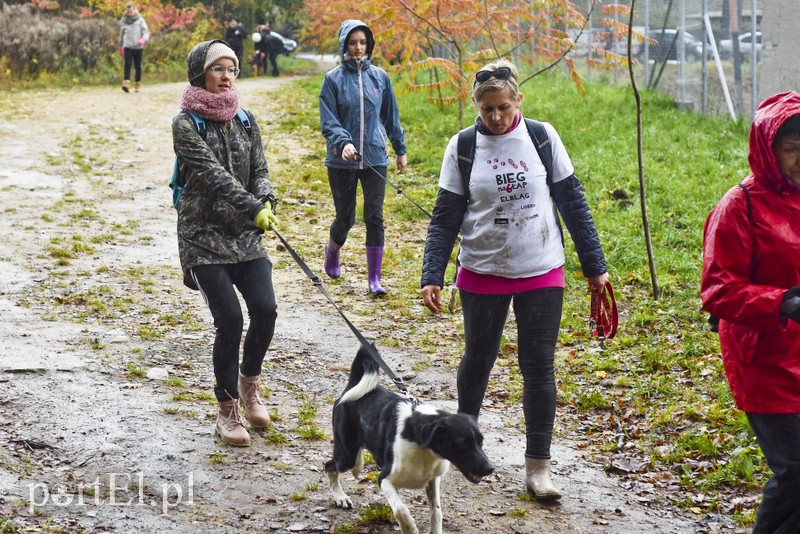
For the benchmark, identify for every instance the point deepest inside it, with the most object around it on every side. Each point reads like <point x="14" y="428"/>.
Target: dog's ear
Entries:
<point x="427" y="433"/>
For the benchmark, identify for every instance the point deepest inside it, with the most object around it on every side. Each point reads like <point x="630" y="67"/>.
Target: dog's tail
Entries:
<point x="363" y="377"/>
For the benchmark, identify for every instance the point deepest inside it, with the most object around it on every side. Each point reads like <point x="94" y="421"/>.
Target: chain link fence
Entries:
<point x="702" y="52"/>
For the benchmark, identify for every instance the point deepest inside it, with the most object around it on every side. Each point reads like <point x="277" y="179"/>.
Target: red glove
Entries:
<point x="141" y="42"/>
<point x="122" y="51"/>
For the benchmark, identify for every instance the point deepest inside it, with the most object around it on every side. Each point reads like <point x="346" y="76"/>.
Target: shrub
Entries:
<point x="40" y="47"/>
<point x="32" y="43"/>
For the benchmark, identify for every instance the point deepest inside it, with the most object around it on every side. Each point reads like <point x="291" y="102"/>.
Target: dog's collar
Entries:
<point x="411" y="398"/>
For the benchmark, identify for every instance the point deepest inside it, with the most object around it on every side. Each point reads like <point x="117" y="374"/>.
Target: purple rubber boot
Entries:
<point x="374" y="264"/>
<point x="332" y="267"/>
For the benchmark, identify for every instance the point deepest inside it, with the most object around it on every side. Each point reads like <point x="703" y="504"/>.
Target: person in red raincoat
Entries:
<point x="751" y="281"/>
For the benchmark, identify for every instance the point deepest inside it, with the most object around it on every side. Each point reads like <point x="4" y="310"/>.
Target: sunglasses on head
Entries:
<point x="501" y="73"/>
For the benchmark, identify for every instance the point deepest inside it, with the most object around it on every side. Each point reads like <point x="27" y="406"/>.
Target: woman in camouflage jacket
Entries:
<point x="222" y="214"/>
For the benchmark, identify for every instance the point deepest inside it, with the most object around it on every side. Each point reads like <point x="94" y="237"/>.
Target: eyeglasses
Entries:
<point x="501" y="73"/>
<point x="218" y="70"/>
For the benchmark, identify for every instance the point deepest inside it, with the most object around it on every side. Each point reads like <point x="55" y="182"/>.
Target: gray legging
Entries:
<point x="344" y="183"/>
<point x="538" y="315"/>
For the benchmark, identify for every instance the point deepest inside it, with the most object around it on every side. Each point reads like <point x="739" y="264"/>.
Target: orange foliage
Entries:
<point x="157" y="15"/>
<point x="43" y="5"/>
<point x="438" y="45"/>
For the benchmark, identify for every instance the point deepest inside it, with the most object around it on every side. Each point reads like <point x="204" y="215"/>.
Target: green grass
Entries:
<point x="380" y="513"/>
<point x="135" y="371"/>
<point x="661" y="379"/>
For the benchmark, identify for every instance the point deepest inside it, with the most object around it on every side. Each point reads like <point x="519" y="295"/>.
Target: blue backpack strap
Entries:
<point x="199" y="122"/>
<point x="245" y="120"/>
<point x="176" y="182"/>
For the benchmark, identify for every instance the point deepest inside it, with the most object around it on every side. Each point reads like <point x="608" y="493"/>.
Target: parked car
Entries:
<point x="589" y="39"/>
<point x="745" y="47"/>
<point x="289" y="45"/>
<point x="666" y="46"/>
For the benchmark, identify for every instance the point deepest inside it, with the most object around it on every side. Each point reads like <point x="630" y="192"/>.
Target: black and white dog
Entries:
<point x="413" y="444"/>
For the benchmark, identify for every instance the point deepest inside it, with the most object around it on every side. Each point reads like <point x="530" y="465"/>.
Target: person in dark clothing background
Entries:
<point x="261" y="39"/>
<point x="234" y="36"/>
<point x="273" y="45"/>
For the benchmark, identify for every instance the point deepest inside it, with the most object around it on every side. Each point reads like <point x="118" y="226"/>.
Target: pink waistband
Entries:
<point x="489" y="284"/>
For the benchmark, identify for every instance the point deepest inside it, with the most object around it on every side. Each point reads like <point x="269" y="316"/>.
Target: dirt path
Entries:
<point x="106" y="423"/>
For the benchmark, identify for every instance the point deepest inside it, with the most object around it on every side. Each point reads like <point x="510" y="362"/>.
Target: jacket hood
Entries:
<point x="196" y="60"/>
<point x="770" y="115"/>
<point x="347" y="27"/>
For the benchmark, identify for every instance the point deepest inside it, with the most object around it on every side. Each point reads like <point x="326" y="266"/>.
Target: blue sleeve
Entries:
<point x="329" y="120"/>
<point x="390" y="118"/>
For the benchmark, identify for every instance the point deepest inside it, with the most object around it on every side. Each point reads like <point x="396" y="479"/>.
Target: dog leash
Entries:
<point x="359" y="157"/>
<point x="364" y="343"/>
<point x="452" y="302"/>
<point x="603" y="318"/>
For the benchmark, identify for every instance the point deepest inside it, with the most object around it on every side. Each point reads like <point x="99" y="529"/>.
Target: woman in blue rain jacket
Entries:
<point x="359" y="119"/>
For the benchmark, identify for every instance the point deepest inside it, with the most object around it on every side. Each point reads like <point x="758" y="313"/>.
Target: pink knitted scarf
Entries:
<point x="218" y="107"/>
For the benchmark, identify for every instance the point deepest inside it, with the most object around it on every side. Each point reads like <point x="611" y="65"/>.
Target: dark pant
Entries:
<point x="779" y="438"/>
<point x="273" y="59"/>
<point x="238" y="49"/>
<point x="538" y="316"/>
<point x="344" y="183"/>
<point x="133" y="56"/>
<point x="253" y="279"/>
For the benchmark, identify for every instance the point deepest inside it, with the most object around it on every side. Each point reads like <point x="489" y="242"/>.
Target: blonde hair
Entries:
<point x="496" y="84"/>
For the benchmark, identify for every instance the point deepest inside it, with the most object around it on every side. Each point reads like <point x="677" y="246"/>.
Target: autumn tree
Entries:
<point x="159" y="15"/>
<point x="440" y="44"/>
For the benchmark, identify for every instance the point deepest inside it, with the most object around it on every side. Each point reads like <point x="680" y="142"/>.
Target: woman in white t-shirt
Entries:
<point x="511" y="251"/>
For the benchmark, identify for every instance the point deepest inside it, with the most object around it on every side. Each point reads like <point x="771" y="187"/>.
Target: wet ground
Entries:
<point x="105" y="418"/>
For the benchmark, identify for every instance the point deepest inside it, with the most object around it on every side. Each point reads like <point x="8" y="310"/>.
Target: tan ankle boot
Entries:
<point x="126" y="85"/>
<point x="537" y="478"/>
<point x="254" y="410"/>
<point x="137" y="86"/>
<point x="230" y="425"/>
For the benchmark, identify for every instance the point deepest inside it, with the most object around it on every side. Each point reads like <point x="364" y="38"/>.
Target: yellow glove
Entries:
<point x="266" y="219"/>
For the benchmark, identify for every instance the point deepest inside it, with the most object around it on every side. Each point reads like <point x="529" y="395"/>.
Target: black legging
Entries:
<point x="778" y="436"/>
<point x="344" y="183"/>
<point x="253" y="279"/>
<point x="538" y="316"/>
<point x="133" y="56"/>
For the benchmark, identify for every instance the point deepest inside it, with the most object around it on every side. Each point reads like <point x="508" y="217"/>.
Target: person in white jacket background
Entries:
<point x="133" y="35"/>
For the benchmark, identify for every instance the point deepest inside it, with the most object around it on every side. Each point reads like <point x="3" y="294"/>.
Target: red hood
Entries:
<point x="770" y="115"/>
